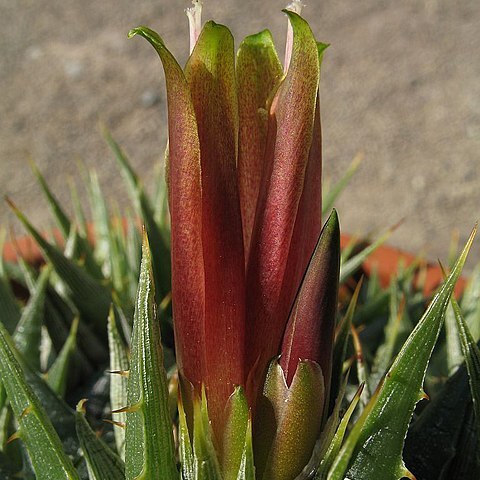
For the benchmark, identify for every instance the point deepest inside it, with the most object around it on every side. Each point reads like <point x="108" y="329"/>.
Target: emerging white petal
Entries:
<point x="295" y="6"/>
<point x="194" y="15"/>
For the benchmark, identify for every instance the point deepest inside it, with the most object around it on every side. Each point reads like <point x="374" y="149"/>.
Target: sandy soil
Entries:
<point x="400" y="83"/>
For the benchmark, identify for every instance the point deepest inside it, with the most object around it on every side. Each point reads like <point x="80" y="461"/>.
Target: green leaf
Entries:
<point x="247" y="467"/>
<point x="12" y="451"/>
<point x="330" y="197"/>
<point x="205" y="456"/>
<point x="78" y="211"/>
<point x="101" y="220"/>
<point x="187" y="459"/>
<point x="35" y="429"/>
<point x="160" y="252"/>
<point x="385" y="352"/>
<point x="27" y="335"/>
<point x="433" y="441"/>
<point x="118" y="381"/>
<point x="10" y="311"/>
<point x="471" y="304"/>
<point x="58" y="212"/>
<point x="337" y="440"/>
<point x="471" y="353"/>
<point x="149" y="448"/>
<point x="57" y="376"/>
<point x="453" y="345"/>
<point x="90" y="297"/>
<point x="363" y="374"/>
<point x="102" y="463"/>
<point x="66" y="226"/>
<point x="342" y="336"/>
<point x="235" y="434"/>
<point x="374" y="446"/>
<point x="351" y="265"/>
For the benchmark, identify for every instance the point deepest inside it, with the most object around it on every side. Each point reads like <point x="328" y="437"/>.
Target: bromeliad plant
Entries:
<point x="286" y="367"/>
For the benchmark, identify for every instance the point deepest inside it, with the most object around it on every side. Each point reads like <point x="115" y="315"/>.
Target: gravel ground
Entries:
<point x="400" y="83"/>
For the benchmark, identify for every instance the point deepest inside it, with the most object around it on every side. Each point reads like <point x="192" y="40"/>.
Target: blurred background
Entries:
<point x="400" y="83"/>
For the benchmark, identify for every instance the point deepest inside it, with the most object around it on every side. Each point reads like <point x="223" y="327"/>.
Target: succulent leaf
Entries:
<point x="58" y="212"/>
<point x="10" y="312"/>
<point x="342" y="336"/>
<point x="149" y="449"/>
<point x="35" y="429"/>
<point x="351" y="265"/>
<point x="385" y="352"/>
<point x="330" y="196"/>
<point x="336" y="443"/>
<point x="57" y="376"/>
<point x="374" y="446"/>
<point x="185" y="449"/>
<point x="27" y="334"/>
<point x="434" y="438"/>
<point x="160" y="253"/>
<point x="235" y="434"/>
<point x="102" y="462"/>
<point x="118" y="382"/>
<point x="471" y="353"/>
<point x="205" y="456"/>
<point x="89" y="296"/>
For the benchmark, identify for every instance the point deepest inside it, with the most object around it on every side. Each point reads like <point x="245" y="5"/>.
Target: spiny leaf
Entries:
<point x="102" y="463"/>
<point x="78" y="212"/>
<point x="470" y="304"/>
<point x="471" y="353"/>
<point x="57" y="376"/>
<point x="235" y="434"/>
<point x="334" y="192"/>
<point x="27" y="335"/>
<point x="386" y="350"/>
<point x="433" y="440"/>
<point x="374" y="446"/>
<point x="10" y="311"/>
<point x="205" y="456"/>
<point x="101" y="221"/>
<point x="35" y="429"/>
<point x="118" y="383"/>
<point x="149" y="449"/>
<point x="352" y="264"/>
<point x="60" y="414"/>
<point x="247" y="467"/>
<point x="453" y="345"/>
<point x="160" y="253"/>
<point x="362" y="369"/>
<point x="337" y="440"/>
<point x="67" y="228"/>
<point x="187" y="459"/>
<point x="89" y="296"/>
<point x="342" y="336"/>
<point x="58" y="212"/>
